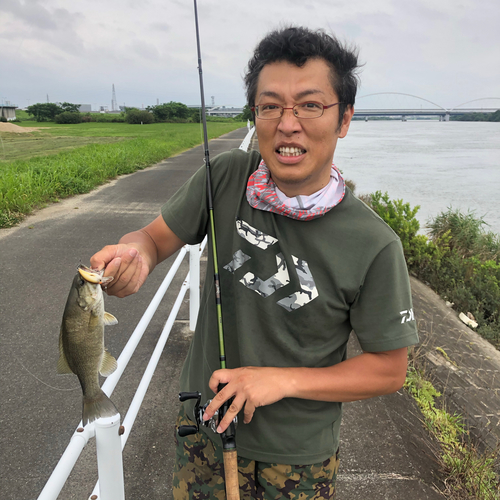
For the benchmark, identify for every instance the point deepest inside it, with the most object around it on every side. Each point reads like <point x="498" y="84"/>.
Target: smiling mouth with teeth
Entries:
<point x="293" y="151"/>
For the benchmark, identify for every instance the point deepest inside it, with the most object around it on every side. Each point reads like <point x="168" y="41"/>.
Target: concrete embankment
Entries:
<point x="385" y="453"/>
<point x="463" y="366"/>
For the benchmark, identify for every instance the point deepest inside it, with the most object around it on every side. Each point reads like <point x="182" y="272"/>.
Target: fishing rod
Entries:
<point x="228" y="436"/>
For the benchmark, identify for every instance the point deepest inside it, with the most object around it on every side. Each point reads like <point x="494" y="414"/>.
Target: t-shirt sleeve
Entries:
<point x="186" y="213"/>
<point x="382" y="312"/>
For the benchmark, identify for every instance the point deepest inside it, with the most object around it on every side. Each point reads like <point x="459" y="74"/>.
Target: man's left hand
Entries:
<point x="251" y="387"/>
<point x="361" y="377"/>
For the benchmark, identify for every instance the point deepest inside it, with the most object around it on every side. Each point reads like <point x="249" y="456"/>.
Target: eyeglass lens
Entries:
<point x="302" y="110"/>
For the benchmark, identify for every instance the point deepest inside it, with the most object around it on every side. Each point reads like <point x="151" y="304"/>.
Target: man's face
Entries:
<point x="316" y="138"/>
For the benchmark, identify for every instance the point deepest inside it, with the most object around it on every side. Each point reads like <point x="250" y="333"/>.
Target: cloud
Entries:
<point x="444" y="51"/>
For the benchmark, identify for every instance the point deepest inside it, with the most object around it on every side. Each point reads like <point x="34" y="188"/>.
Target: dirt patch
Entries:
<point x="16" y="129"/>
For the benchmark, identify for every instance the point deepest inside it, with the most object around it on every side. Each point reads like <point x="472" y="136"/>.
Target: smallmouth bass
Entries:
<point x="81" y="341"/>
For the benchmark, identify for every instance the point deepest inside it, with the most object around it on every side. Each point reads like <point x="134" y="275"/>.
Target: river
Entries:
<point x="432" y="164"/>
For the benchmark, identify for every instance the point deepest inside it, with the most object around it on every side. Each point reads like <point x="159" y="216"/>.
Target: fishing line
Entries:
<point x="45" y="383"/>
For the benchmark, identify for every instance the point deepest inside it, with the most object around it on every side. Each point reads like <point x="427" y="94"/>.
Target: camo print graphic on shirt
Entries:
<point x="281" y="278"/>
<point x="199" y="473"/>
<point x="269" y="286"/>
<point x="239" y="258"/>
<point x="308" y="290"/>
<point x="254" y="236"/>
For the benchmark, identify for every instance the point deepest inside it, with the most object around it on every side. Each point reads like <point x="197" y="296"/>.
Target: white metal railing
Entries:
<point x="246" y="141"/>
<point x="110" y="436"/>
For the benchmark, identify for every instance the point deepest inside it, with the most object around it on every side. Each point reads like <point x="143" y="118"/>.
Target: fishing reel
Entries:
<point x="228" y="436"/>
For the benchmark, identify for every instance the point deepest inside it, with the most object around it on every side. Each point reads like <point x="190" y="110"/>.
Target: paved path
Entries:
<point x="40" y="409"/>
<point x="385" y="451"/>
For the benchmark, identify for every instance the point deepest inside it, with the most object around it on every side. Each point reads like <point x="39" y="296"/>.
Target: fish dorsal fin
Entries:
<point x="109" y="319"/>
<point x="62" y="364"/>
<point x="108" y="365"/>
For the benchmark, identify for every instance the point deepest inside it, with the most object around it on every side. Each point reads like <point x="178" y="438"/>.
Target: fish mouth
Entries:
<point x="93" y="275"/>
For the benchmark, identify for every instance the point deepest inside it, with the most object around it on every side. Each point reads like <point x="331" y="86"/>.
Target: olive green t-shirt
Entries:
<point x="292" y="291"/>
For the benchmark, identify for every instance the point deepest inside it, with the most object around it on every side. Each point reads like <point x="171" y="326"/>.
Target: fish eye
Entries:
<point x="82" y="282"/>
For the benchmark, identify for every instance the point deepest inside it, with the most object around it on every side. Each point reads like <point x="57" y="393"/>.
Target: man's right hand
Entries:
<point x="135" y="256"/>
<point x="125" y="264"/>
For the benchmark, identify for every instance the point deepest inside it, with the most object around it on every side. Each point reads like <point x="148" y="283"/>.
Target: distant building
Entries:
<point x="8" y="112"/>
<point x="223" y="111"/>
<point x="85" y="108"/>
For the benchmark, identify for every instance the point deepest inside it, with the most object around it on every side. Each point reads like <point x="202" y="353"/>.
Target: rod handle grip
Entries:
<point x="231" y="475"/>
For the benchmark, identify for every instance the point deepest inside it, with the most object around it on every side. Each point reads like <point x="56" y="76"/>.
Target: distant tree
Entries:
<point x="195" y="115"/>
<point x="477" y="117"/>
<point x="169" y="111"/>
<point x="160" y="112"/>
<point x="246" y="115"/>
<point x="70" y="108"/>
<point x="179" y="110"/>
<point x="495" y="117"/>
<point x="138" y="116"/>
<point x="44" y="111"/>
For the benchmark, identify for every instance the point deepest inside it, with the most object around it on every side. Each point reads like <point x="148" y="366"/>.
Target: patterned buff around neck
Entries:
<point x="262" y="195"/>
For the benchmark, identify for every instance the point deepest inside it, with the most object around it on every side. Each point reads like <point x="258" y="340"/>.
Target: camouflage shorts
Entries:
<point x="199" y="473"/>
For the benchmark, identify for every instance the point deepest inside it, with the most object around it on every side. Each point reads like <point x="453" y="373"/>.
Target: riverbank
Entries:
<point x="462" y="366"/>
<point x="111" y="149"/>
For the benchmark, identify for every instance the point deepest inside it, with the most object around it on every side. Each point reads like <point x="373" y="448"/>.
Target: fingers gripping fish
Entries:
<point x="81" y="342"/>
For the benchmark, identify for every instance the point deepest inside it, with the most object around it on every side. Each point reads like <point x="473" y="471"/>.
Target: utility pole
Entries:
<point x="114" y="105"/>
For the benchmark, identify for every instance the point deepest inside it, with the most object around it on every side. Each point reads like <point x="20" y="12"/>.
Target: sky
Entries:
<point x="445" y="51"/>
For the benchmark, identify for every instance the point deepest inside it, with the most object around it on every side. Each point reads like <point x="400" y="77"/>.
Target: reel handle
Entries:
<point x="184" y="396"/>
<point x="187" y="430"/>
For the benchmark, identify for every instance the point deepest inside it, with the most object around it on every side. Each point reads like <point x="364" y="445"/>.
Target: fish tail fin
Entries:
<point x="97" y="406"/>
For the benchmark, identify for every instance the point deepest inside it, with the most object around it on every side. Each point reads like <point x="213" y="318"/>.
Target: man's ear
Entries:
<point x="346" y="121"/>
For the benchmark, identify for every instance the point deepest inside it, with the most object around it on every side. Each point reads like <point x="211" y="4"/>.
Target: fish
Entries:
<point x="81" y="341"/>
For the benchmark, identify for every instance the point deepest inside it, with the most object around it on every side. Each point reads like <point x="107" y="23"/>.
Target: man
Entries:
<point x="302" y="263"/>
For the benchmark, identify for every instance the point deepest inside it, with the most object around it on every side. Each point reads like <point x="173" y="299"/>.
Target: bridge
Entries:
<point x="444" y="115"/>
<point x="438" y="111"/>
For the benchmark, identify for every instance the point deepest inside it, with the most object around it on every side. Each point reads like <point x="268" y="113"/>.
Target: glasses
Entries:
<point x="310" y="109"/>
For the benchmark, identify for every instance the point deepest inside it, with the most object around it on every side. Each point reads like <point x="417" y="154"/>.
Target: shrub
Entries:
<point x="137" y="116"/>
<point x="460" y="260"/>
<point x="87" y="118"/>
<point x="68" y="117"/>
<point x="467" y="234"/>
<point x="107" y="117"/>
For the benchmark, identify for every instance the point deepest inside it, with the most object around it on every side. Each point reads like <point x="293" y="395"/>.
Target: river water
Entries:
<point x="432" y="164"/>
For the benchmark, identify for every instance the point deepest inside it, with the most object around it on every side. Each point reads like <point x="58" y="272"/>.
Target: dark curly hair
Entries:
<point x="296" y="45"/>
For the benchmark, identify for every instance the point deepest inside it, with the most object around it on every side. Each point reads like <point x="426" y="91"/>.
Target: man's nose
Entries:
<point x="289" y="123"/>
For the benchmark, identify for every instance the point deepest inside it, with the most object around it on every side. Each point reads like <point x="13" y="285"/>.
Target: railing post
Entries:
<point x="194" y="284"/>
<point x="109" y="458"/>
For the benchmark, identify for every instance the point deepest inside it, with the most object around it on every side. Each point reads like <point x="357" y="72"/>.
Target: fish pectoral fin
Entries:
<point x="62" y="365"/>
<point x="108" y="365"/>
<point x="109" y="319"/>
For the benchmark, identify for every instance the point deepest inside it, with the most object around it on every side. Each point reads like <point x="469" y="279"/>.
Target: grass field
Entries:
<point x="57" y="161"/>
